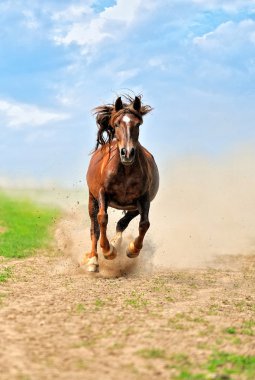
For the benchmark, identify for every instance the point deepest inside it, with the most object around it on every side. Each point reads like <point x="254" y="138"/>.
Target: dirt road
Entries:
<point x="58" y="322"/>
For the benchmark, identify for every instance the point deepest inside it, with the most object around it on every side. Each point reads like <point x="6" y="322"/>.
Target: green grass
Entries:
<point x="151" y="353"/>
<point x="136" y="301"/>
<point x="232" y="364"/>
<point x="26" y="226"/>
<point x="247" y="328"/>
<point x="5" y="274"/>
<point x="99" y="303"/>
<point x="221" y="365"/>
<point x="230" y="330"/>
<point x="186" y="375"/>
<point x="80" y="308"/>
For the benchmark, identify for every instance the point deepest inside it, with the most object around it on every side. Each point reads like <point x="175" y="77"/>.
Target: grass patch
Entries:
<point x="5" y="274"/>
<point x="99" y="303"/>
<point x="27" y="226"/>
<point x="220" y="365"/>
<point x="224" y="363"/>
<point x="179" y="361"/>
<point x="136" y="301"/>
<point x="186" y="375"/>
<point x="152" y="353"/>
<point x="230" y="330"/>
<point x="248" y="328"/>
<point x="181" y="321"/>
<point x="80" y="308"/>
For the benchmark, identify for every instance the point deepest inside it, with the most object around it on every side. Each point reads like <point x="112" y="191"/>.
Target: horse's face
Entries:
<point x="127" y="133"/>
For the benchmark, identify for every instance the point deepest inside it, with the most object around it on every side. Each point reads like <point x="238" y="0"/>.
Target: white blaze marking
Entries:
<point x="126" y="119"/>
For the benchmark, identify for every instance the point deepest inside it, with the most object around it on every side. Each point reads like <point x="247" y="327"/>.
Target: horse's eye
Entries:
<point x="116" y="125"/>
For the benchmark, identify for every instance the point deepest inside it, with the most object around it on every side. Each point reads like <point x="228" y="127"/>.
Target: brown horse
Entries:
<point x="122" y="174"/>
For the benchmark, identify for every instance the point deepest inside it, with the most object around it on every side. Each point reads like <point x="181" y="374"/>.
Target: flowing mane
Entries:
<point x="106" y="113"/>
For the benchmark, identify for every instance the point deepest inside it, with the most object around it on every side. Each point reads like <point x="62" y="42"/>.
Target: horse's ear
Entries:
<point x="137" y="104"/>
<point x="118" y="104"/>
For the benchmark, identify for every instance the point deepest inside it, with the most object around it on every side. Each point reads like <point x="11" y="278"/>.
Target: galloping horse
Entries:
<point x="122" y="174"/>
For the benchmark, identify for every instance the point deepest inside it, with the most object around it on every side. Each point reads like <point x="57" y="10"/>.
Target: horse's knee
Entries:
<point x="125" y="220"/>
<point x="102" y="219"/>
<point x="95" y="231"/>
<point x="144" y="225"/>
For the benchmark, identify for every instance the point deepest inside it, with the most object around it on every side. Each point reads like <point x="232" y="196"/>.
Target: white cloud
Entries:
<point x="228" y="35"/>
<point x="124" y="75"/>
<point x="31" y="21"/>
<point x="157" y="62"/>
<point x="80" y="25"/>
<point x="83" y="34"/>
<point x="72" y="13"/>
<point x="124" y="11"/>
<point x="227" y="5"/>
<point x="107" y="24"/>
<point x="20" y="115"/>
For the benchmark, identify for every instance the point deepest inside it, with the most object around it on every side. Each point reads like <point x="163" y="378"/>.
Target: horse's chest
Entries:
<point x="124" y="189"/>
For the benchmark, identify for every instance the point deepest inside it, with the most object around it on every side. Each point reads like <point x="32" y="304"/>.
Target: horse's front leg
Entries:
<point x="109" y="251"/>
<point x="91" y="258"/>
<point x="135" y="246"/>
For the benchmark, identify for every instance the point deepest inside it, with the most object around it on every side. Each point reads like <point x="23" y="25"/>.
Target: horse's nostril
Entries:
<point x="123" y="152"/>
<point x="132" y="153"/>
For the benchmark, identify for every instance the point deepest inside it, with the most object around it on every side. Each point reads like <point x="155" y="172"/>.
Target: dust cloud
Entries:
<point x="205" y="209"/>
<point x="73" y="239"/>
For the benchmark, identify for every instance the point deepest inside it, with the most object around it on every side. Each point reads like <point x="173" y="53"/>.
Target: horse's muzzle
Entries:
<point x="127" y="156"/>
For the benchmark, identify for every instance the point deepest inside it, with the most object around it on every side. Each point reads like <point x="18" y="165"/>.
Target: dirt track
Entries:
<point x="58" y="322"/>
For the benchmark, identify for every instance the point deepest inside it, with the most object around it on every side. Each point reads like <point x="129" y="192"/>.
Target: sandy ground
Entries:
<point x="189" y="295"/>
<point x="133" y="320"/>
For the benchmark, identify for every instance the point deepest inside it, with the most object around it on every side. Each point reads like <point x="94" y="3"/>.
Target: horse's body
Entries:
<point x="122" y="174"/>
<point x="124" y="185"/>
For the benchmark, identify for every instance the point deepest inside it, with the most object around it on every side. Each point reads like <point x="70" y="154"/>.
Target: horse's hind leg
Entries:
<point x="121" y="226"/>
<point x="135" y="247"/>
<point x="91" y="259"/>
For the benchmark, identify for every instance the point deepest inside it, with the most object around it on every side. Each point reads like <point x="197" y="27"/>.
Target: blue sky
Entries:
<point x="194" y="62"/>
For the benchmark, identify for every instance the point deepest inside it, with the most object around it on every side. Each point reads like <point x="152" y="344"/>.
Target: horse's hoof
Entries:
<point x="92" y="268"/>
<point x="132" y="251"/>
<point x="111" y="254"/>
<point x="91" y="263"/>
<point x="116" y="240"/>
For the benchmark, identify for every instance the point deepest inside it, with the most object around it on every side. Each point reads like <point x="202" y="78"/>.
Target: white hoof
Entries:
<point x="92" y="264"/>
<point x="116" y="240"/>
<point x="92" y="268"/>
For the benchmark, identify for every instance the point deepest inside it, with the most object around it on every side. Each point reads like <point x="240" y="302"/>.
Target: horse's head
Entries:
<point x="126" y="122"/>
<point x="121" y="121"/>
